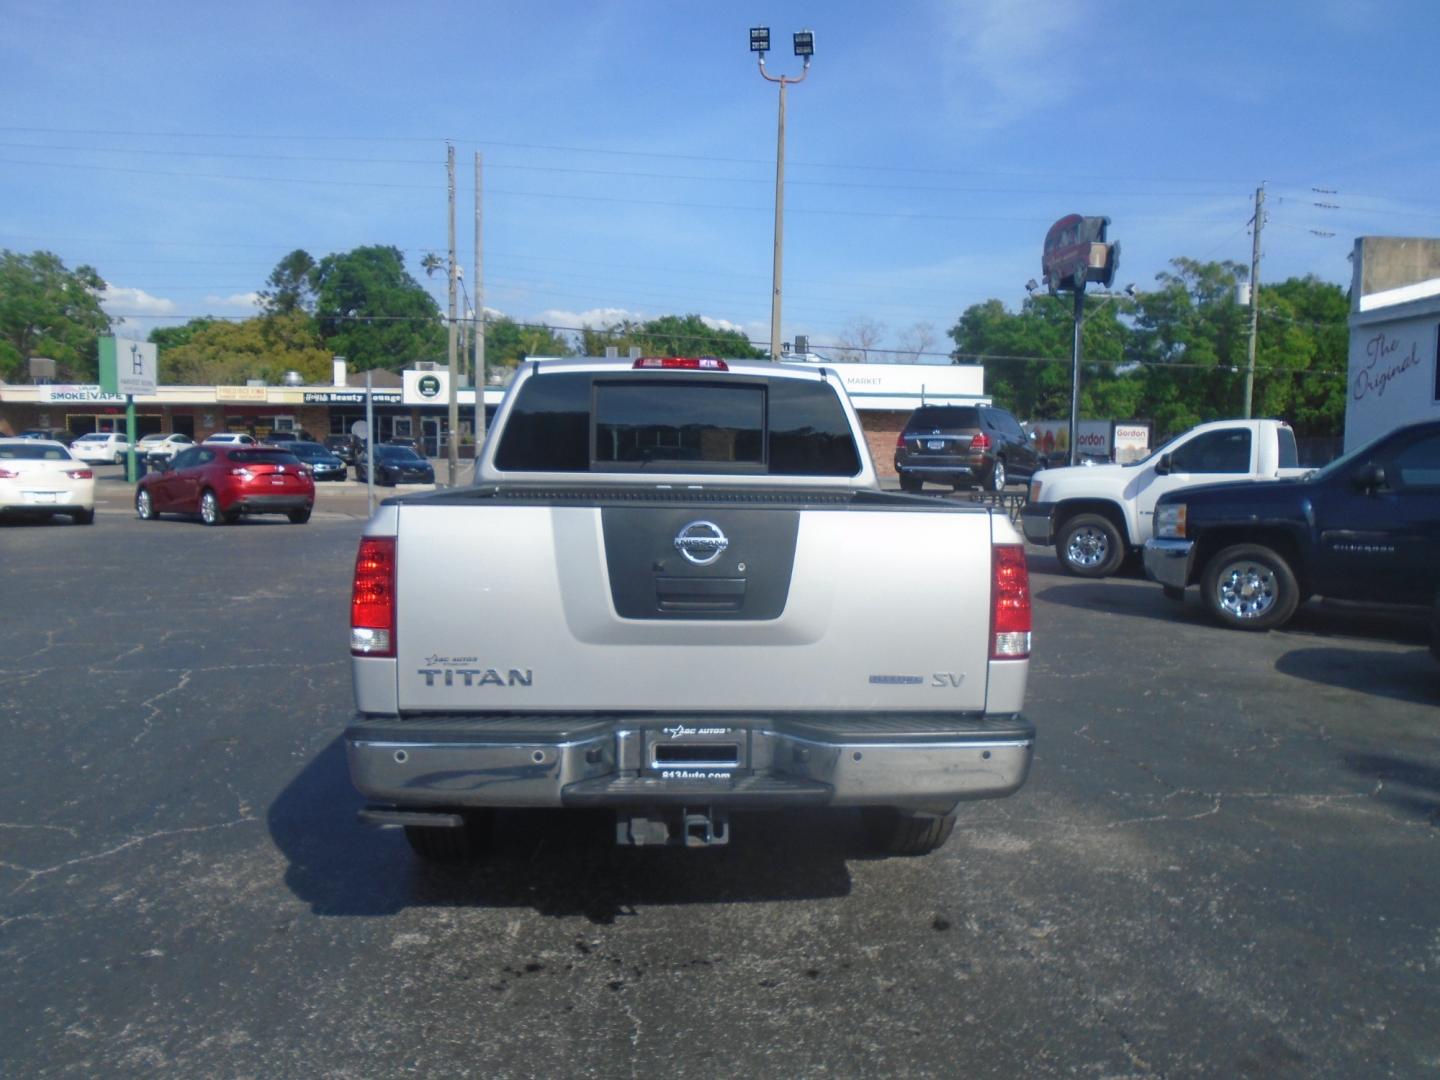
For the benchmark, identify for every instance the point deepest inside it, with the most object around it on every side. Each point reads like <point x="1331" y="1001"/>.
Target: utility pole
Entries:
<point x="454" y="417"/>
<point x="804" y="42"/>
<point x="1254" y="295"/>
<point x="479" y="326"/>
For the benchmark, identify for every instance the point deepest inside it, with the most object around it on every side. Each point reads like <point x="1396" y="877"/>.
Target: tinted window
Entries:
<point x="808" y="434"/>
<point x="694" y="422"/>
<point x="549" y="426"/>
<point x="39" y="452"/>
<point x="396" y="453"/>
<point x="1289" y="456"/>
<point x="1416" y="465"/>
<point x="259" y="455"/>
<point x="944" y="417"/>
<point x="186" y="459"/>
<point x="1225" y="451"/>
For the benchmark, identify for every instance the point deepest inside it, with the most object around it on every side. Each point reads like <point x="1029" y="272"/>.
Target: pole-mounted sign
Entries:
<point x="128" y="367"/>
<point x="1076" y="252"/>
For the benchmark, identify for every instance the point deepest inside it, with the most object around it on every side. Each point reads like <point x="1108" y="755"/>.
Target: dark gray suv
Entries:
<point x="964" y="446"/>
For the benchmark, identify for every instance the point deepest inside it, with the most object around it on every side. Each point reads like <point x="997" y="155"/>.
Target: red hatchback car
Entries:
<point x="222" y="482"/>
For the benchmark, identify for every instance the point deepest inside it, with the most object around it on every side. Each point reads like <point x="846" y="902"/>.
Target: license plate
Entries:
<point x="279" y="481"/>
<point x="42" y="496"/>
<point x="935" y="444"/>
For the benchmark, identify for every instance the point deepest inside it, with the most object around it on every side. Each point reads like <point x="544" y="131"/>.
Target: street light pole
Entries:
<point x="804" y="48"/>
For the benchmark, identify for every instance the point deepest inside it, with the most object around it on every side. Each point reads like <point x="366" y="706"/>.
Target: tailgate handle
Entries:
<point x="700" y="594"/>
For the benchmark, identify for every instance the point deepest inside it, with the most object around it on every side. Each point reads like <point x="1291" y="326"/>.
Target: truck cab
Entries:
<point x="1095" y="516"/>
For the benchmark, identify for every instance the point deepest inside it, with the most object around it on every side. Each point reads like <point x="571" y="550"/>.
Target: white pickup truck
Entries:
<point x="676" y="590"/>
<point x="1097" y="515"/>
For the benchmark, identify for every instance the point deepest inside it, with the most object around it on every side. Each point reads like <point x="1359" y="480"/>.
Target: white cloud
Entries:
<point x="117" y="300"/>
<point x="595" y="317"/>
<point x="235" y="301"/>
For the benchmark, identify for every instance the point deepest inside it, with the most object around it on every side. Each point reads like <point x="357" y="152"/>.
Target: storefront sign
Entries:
<point x="426" y="387"/>
<point x="350" y="397"/>
<point x="240" y="393"/>
<point x="69" y="395"/>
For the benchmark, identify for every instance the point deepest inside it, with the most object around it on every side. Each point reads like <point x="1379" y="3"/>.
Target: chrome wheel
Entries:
<point x="997" y="476"/>
<point x="1250" y="587"/>
<point x="1246" y="590"/>
<point x="210" y="509"/>
<point x="1090" y="546"/>
<point x="144" y="509"/>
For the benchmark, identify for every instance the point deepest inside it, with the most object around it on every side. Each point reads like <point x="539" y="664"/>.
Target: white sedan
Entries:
<point x="231" y="438"/>
<point x="39" y="477"/>
<point x="164" y="447"/>
<point x="101" y="448"/>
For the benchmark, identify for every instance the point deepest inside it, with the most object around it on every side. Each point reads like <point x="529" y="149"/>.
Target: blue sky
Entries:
<point x="183" y="149"/>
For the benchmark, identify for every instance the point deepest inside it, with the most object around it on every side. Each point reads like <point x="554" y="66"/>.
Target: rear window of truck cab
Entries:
<point x="584" y="422"/>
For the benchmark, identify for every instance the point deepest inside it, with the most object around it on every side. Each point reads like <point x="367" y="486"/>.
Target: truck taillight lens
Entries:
<point x="1009" y="603"/>
<point x="372" y="598"/>
<point x="980" y="442"/>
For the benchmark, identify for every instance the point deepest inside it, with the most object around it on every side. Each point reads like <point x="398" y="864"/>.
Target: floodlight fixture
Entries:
<point x="760" y="39"/>
<point x="1031" y="285"/>
<point x="805" y="44"/>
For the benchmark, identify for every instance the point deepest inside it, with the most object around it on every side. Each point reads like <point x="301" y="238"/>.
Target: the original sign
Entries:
<point x="1394" y="377"/>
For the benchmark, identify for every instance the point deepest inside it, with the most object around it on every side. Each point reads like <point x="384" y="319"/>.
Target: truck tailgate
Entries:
<point x="758" y="604"/>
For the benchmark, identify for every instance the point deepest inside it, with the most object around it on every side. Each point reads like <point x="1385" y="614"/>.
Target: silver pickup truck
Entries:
<point x="674" y="591"/>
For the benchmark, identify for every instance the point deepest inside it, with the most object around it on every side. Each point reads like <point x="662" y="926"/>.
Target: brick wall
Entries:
<point x="881" y="431"/>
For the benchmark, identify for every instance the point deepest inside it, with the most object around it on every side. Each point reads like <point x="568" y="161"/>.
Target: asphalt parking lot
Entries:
<point x="1224" y="862"/>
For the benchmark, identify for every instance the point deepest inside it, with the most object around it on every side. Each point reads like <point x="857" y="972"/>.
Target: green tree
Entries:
<point x="1027" y="354"/>
<point x="228" y="353"/>
<point x="1192" y="336"/>
<point x="290" y="286"/>
<point x="507" y="342"/>
<point x="370" y="310"/>
<point x="670" y="335"/>
<point x="48" y="310"/>
<point x="172" y="337"/>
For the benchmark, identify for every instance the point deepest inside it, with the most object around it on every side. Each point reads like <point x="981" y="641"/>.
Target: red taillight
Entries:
<point x="80" y="474"/>
<point x="372" y="598"/>
<point x="980" y="442"/>
<point x="900" y="441"/>
<point x="706" y="363"/>
<point x="1009" y="603"/>
<point x="9" y="474"/>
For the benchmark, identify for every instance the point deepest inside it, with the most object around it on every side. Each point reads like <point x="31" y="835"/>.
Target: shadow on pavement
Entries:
<point x="560" y="863"/>
<point x="1413" y="677"/>
<point x="1411" y="786"/>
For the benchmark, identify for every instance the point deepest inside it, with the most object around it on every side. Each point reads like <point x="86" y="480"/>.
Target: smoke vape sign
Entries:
<point x="429" y="386"/>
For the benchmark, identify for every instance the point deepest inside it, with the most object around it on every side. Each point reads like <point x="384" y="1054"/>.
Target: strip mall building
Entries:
<point x="415" y="404"/>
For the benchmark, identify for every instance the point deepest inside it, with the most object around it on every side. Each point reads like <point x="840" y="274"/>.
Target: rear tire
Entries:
<point x="83" y="517"/>
<point x="1250" y="587"/>
<point x="299" y="517"/>
<point x="144" y="508"/>
<point x="452" y="845"/>
<point x="902" y="832"/>
<point x="912" y="484"/>
<point x="210" y="509"/>
<point x="996" y="481"/>
<point x="1090" y="546"/>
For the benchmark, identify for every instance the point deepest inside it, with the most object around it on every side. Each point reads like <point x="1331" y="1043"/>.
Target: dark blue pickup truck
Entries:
<point x="1364" y="528"/>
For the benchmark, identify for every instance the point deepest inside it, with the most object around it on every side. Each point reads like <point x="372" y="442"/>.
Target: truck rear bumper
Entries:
<point x="1168" y="561"/>
<point x="455" y="762"/>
